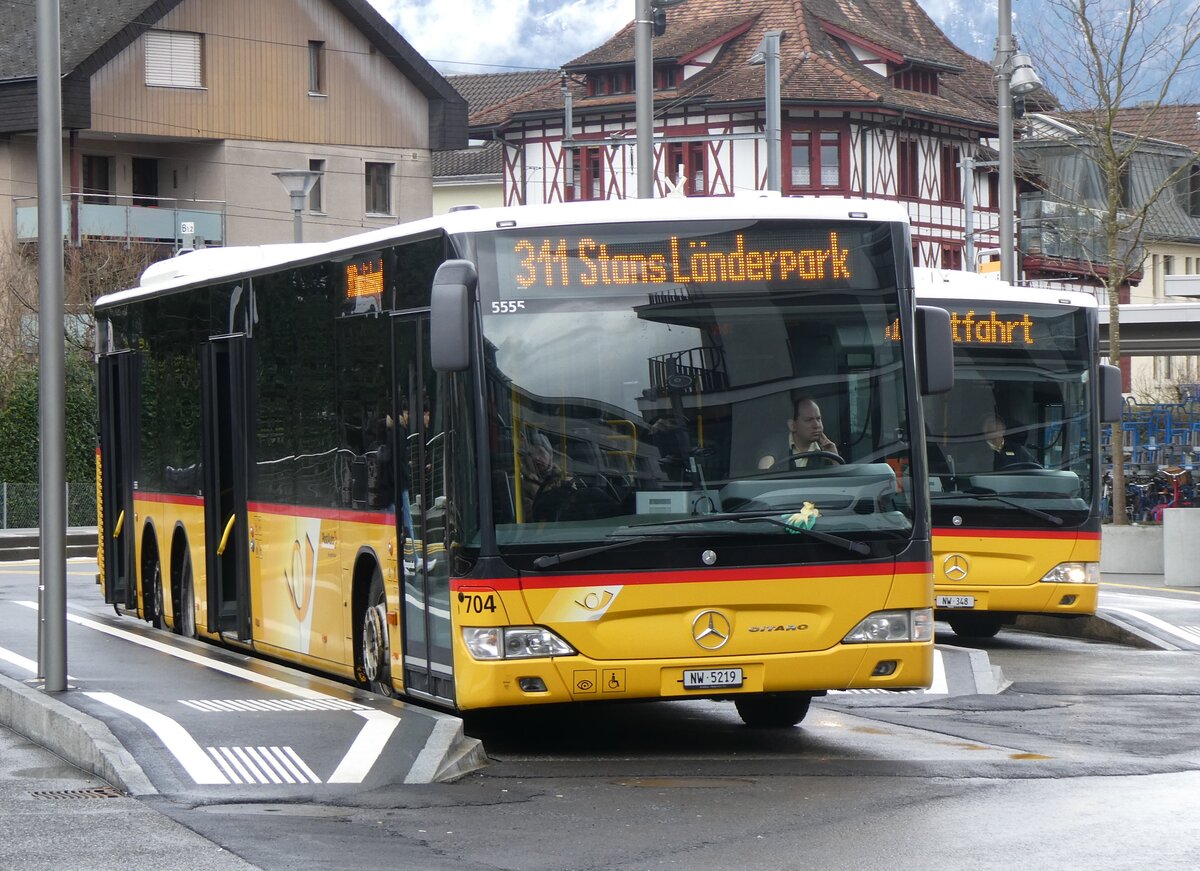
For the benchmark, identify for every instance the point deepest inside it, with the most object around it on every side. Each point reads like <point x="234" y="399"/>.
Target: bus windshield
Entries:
<point x="728" y="379"/>
<point x="1013" y="440"/>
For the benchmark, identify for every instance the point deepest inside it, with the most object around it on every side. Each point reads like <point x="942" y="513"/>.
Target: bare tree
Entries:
<point x="1103" y="58"/>
<point x="91" y="270"/>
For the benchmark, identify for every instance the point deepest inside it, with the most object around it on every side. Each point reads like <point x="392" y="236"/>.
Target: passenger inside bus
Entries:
<point x="549" y="494"/>
<point x="806" y="439"/>
<point x="1008" y="454"/>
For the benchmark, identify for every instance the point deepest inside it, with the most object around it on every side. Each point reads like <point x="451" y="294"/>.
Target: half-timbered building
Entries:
<point x="875" y="100"/>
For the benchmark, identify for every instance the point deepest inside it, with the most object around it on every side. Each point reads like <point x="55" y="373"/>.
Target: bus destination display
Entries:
<point x="600" y="261"/>
<point x="987" y="326"/>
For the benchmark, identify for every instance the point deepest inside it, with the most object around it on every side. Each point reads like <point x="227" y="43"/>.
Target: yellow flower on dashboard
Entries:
<point x="804" y="518"/>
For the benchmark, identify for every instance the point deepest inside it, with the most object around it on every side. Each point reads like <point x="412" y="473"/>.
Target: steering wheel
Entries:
<point x="803" y="455"/>
<point x="1021" y="467"/>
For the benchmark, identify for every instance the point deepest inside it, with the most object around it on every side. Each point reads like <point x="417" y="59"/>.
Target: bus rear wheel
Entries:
<point x="975" y="625"/>
<point x="773" y="710"/>
<point x="157" y="601"/>
<point x="185" y="606"/>
<point x="374" y="648"/>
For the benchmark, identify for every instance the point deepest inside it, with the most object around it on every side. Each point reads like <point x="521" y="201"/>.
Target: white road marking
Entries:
<point x="355" y="765"/>
<point x="939" y="687"/>
<point x="160" y="647"/>
<point x="224" y="706"/>
<point x="366" y="748"/>
<point x="174" y="737"/>
<point x="1161" y="625"/>
<point x="19" y="661"/>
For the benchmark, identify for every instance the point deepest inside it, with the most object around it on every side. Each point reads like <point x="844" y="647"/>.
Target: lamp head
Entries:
<point x="1024" y="79"/>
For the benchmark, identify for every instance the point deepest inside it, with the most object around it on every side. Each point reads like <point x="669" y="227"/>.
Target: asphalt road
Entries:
<point x="1090" y="758"/>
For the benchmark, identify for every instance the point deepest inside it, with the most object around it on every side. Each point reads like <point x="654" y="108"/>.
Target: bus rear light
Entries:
<point x="1073" y="573"/>
<point x="514" y="642"/>
<point x="886" y="626"/>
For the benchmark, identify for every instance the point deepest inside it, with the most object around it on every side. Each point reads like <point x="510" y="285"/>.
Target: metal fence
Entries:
<point x="19" y="505"/>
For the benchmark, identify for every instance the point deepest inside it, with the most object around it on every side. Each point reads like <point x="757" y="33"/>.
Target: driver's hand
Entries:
<point x="827" y="444"/>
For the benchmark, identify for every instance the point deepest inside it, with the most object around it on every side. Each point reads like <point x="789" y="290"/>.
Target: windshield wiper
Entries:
<point x="996" y="497"/>
<point x="551" y="560"/>
<point x="773" y="518"/>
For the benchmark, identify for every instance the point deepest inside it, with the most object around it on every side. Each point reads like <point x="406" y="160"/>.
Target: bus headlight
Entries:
<point x="914" y="625"/>
<point x="1073" y="573"/>
<point x="513" y="642"/>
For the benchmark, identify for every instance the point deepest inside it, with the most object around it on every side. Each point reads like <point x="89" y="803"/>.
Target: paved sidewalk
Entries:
<point x="58" y="817"/>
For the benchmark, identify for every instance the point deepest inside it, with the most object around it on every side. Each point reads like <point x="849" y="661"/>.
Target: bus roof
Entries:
<point x="215" y="264"/>
<point x="934" y="284"/>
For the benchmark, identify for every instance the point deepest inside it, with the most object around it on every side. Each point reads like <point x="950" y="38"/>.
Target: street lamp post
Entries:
<point x="1014" y="75"/>
<point x="298" y="183"/>
<point x="643" y="80"/>
<point x="767" y="54"/>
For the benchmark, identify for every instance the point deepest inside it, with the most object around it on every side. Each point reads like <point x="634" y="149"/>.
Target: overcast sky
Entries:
<point x="479" y="36"/>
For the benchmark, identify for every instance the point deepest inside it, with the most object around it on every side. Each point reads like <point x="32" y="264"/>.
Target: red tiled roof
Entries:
<point x="1178" y="124"/>
<point x="482" y="91"/>
<point x="815" y="66"/>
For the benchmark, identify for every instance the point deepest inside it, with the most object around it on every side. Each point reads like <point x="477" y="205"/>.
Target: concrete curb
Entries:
<point x="1102" y="627"/>
<point x="971" y="673"/>
<point x="25" y="544"/>
<point x="81" y="740"/>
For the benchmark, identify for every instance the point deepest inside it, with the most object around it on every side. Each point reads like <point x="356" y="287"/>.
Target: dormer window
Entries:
<point x="666" y="78"/>
<point x="606" y="82"/>
<point x="922" y="81"/>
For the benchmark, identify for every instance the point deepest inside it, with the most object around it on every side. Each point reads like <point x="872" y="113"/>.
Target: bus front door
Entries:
<point x="224" y="411"/>
<point x="118" y="385"/>
<point x="425" y="601"/>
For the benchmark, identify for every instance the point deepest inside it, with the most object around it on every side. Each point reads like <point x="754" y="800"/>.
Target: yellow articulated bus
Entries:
<point x="1013" y="452"/>
<point x="544" y="454"/>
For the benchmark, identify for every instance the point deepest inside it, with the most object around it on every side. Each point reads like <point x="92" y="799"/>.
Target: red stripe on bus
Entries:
<point x="169" y="498"/>
<point x="964" y="532"/>
<point x="346" y="515"/>
<point x="547" y="582"/>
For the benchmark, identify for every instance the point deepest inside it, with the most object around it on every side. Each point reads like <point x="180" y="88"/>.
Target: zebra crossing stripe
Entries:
<point x="216" y="706"/>
<point x="262" y="765"/>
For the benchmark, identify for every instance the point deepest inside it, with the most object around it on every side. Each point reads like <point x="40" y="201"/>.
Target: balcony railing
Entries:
<point x="128" y="219"/>
<point x="1066" y="233"/>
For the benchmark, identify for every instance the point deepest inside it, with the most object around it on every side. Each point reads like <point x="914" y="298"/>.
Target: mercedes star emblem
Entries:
<point x="955" y="567"/>
<point x="711" y="630"/>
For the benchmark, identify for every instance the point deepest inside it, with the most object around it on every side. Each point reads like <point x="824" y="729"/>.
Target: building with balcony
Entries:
<point x="1062" y="235"/>
<point x="176" y="113"/>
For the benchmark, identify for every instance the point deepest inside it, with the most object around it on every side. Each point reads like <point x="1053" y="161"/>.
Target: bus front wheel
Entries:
<point x="975" y="625"/>
<point x="773" y="710"/>
<point x="374" y="649"/>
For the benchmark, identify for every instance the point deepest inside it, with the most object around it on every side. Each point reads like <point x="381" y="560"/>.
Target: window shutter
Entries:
<point x="173" y="59"/>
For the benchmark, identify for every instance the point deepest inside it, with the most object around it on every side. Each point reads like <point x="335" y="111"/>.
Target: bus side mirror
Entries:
<point x="450" y="316"/>
<point x="935" y="350"/>
<point x="1112" y="403"/>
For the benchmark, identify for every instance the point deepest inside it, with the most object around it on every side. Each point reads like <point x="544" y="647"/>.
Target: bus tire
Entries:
<point x="772" y="710"/>
<point x="157" y="601"/>
<point x="185" y="608"/>
<point x="975" y="625"/>
<point x="374" y="649"/>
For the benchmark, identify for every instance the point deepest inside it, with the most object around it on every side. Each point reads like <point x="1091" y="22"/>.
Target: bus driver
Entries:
<point x="806" y="433"/>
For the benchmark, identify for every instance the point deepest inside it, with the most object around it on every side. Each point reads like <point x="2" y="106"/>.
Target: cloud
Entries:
<point x="459" y="36"/>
